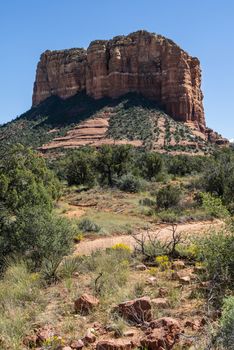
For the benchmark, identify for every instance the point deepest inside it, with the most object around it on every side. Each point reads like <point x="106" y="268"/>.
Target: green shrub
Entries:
<point x="25" y="180"/>
<point x="213" y="205"/>
<point x="69" y="265"/>
<point x="216" y="251"/>
<point x="41" y="237"/>
<point x="183" y="164"/>
<point x="189" y="251"/>
<point x="80" y="169"/>
<point x="151" y="165"/>
<point x="168" y="216"/>
<point x="130" y="183"/>
<point x="147" y="202"/>
<point x="111" y="162"/>
<point x="27" y="191"/>
<point x="218" y="179"/>
<point x="168" y="197"/>
<point x="87" y="225"/>
<point x="227" y="324"/>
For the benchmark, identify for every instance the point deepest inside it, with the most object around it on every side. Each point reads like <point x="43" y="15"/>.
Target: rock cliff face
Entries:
<point x="141" y="62"/>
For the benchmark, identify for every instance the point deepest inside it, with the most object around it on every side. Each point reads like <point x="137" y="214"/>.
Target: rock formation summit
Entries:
<point x="141" y="62"/>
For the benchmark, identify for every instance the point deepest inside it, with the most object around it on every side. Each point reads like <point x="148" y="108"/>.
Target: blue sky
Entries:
<point x="204" y="28"/>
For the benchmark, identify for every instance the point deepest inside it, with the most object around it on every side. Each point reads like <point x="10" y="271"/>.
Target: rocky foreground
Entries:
<point x="142" y="329"/>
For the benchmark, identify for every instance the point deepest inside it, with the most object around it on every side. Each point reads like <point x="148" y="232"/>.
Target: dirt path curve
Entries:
<point x="86" y="247"/>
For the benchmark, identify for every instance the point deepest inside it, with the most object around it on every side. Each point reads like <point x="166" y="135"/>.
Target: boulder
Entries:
<point x="30" y="341"/>
<point x="43" y="334"/>
<point x="161" y="303"/>
<point x="154" y="340"/>
<point x="77" y="344"/>
<point x="162" y="334"/>
<point x="178" y="265"/>
<point x="163" y="292"/>
<point x="194" y="325"/>
<point x="141" y="267"/>
<point x="89" y="337"/>
<point x="136" y="311"/>
<point x="166" y="322"/>
<point x="129" y="333"/>
<point x="39" y="336"/>
<point x="151" y="280"/>
<point x="185" y="280"/>
<point x="117" y="344"/>
<point x="85" y="303"/>
<point x="175" y="275"/>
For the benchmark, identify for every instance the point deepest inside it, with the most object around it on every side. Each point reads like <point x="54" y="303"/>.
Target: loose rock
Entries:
<point x="77" y="344"/>
<point x="178" y="265"/>
<point x="137" y="310"/>
<point x="151" y="280"/>
<point x="163" y="292"/>
<point x="118" y="344"/>
<point x="185" y="279"/>
<point x="141" y="267"/>
<point x="164" y="334"/>
<point x="85" y="303"/>
<point x="89" y="337"/>
<point x="162" y="303"/>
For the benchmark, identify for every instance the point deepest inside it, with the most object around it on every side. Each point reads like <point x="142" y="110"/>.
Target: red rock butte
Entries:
<point x="141" y="62"/>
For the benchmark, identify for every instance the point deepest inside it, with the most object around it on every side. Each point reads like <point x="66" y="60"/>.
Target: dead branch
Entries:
<point x="147" y="239"/>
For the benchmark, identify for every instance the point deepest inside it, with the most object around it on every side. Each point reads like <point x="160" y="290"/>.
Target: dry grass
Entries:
<point x="21" y="300"/>
<point x="115" y="223"/>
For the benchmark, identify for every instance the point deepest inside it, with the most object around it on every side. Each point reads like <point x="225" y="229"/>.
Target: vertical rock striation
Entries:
<point x="141" y="62"/>
<point x="61" y="73"/>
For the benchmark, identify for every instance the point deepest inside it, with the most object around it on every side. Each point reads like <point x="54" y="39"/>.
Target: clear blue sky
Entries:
<point x="204" y="28"/>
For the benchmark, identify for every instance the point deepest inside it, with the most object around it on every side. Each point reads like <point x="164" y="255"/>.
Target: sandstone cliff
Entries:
<point x="141" y="62"/>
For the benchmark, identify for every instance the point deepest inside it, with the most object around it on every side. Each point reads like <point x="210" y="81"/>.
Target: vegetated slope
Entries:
<point x="144" y="121"/>
<point x="81" y="120"/>
<point x="51" y="118"/>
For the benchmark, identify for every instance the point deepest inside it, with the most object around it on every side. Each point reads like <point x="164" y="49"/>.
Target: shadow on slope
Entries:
<point x="33" y="128"/>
